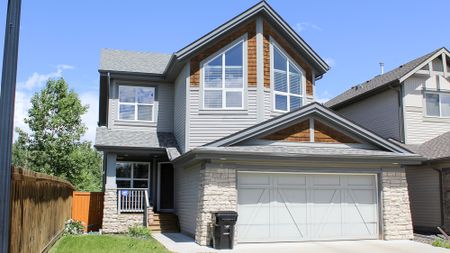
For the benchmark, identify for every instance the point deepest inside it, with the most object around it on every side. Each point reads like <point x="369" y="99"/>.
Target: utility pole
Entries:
<point x="7" y="97"/>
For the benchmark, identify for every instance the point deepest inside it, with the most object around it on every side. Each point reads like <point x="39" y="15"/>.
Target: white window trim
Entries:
<point x="131" y="178"/>
<point x="135" y="104"/>
<point x="439" y="104"/>
<point x="242" y="39"/>
<point x="273" y="44"/>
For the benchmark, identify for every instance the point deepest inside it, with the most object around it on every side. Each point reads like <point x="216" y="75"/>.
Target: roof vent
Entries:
<point x="381" y="68"/>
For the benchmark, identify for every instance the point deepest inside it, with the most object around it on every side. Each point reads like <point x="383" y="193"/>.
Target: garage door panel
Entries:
<point x="274" y="207"/>
<point x="291" y="180"/>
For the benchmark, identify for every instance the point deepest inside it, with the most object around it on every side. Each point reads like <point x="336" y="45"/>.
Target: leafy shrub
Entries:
<point x="441" y="243"/>
<point x="139" y="232"/>
<point x="73" y="227"/>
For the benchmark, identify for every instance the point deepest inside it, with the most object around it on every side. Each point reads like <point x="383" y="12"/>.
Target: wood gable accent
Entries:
<point x="325" y="133"/>
<point x="301" y="132"/>
<point x="296" y="133"/>
<point x="250" y="29"/>
<point x="268" y="32"/>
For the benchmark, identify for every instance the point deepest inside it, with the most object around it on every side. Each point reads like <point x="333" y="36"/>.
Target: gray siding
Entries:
<point x="379" y="113"/>
<point x="206" y="126"/>
<point x="163" y="107"/>
<point x="424" y="194"/>
<point x="179" y="121"/>
<point x="186" y="197"/>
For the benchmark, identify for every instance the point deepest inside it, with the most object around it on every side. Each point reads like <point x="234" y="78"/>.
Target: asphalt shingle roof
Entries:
<point x="130" y="61"/>
<point x="133" y="138"/>
<point x="378" y="81"/>
<point x="308" y="150"/>
<point x="436" y="148"/>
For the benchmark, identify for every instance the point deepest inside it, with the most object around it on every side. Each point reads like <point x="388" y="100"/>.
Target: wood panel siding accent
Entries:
<point x="296" y="133"/>
<point x="250" y="29"/>
<point x="268" y="32"/>
<point x="327" y="134"/>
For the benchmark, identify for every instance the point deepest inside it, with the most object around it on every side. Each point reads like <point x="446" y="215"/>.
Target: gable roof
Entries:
<point x="305" y="111"/>
<point x="137" y="62"/>
<point x="165" y="63"/>
<point x="380" y="82"/>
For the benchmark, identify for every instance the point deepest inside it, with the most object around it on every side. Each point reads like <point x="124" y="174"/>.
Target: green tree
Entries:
<point x="53" y="145"/>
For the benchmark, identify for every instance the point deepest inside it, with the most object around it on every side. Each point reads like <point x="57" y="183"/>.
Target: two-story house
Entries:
<point x="411" y="105"/>
<point x="229" y="123"/>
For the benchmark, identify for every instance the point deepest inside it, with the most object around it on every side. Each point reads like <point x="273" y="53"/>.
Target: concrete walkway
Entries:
<point x="180" y="243"/>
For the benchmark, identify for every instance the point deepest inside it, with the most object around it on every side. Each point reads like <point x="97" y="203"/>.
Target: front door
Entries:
<point x="165" y="183"/>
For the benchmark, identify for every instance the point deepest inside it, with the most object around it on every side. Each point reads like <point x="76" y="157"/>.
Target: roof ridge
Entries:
<point x="382" y="79"/>
<point x="135" y="51"/>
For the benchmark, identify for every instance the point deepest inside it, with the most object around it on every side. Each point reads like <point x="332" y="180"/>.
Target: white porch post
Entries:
<point x="111" y="171"/>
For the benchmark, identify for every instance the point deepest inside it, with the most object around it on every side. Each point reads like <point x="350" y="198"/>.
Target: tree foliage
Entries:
<point x="54" y="144"/>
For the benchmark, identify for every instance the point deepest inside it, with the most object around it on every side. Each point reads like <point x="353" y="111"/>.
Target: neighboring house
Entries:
<point x="229" y="122"/>
<point x="411" y="105"/>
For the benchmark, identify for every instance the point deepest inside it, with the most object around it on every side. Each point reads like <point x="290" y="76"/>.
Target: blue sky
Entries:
<point x="63" y="38"/>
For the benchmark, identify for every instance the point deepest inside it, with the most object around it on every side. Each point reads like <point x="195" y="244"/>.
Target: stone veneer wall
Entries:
<point x="218" y="192"/>
<point x="397" y="222"/>
<point x="114" y="222"/>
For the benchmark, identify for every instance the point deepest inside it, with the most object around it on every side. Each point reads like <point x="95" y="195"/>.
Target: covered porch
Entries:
<point x="138" y="186"/>
<point x="138" y="177"/>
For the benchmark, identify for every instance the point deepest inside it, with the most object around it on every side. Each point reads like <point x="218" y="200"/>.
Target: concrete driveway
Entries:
<point x="183" y="244"/>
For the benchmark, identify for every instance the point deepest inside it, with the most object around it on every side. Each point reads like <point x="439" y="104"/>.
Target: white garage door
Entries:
<point x="298" y="207"/>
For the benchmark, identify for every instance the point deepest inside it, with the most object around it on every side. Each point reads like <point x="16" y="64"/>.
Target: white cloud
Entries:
<point x="36" y="80"/>
<point x="90" y="118"/>
<point x="25" y="91"/>
<point x="323" y="97"/>
<point x="302" y="26"/>
<point x="22" y="105"/>
<point x="330" y="61"/>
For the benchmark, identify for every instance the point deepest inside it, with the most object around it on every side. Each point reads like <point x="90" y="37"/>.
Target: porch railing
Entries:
<point x="132" y="200"/>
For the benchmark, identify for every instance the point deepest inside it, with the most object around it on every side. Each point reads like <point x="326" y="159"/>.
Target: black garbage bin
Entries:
<point x="224" y="229"/>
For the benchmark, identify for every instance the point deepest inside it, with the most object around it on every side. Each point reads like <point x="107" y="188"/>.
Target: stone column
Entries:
<point x="397" y="222"/>
<point x="217" y="193"/>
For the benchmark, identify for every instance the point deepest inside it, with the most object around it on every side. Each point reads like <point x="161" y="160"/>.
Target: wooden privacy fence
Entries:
<point x="88" y="208"/>
<point x="40" y="205"/>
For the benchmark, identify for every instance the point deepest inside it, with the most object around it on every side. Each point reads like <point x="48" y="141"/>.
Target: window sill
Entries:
<point x="135" y="123"/>
<point x="223" y="111"/>
<point x="436" y="119"/>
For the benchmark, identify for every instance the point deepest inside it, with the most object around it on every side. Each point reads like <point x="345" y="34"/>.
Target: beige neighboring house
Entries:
<point x="229" y="123"/>
<point x="410" y="105"/>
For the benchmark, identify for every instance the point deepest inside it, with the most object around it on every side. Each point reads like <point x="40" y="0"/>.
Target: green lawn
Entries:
<point x="107" y="244"/>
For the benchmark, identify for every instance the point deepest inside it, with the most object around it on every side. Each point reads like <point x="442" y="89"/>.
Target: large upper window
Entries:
<point x="287" y="82"/>
<point x="136" y="103"/>
<point x="437" y="104"/>
<point x="132" y="175"/>
<point x="223" y="79"/>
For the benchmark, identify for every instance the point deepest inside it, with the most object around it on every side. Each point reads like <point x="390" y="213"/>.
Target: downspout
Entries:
<point x="107" y="98"/>
<point x="399" y="91"/>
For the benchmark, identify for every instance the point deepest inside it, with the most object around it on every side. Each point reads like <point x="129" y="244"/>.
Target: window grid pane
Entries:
<point x="234" y="99"/>
<point x="445" y="105"/>
<point x="432" y="104"/>
<point x="281" y="102"/>
<point x="145" y="112"/>
<point x="213" y="98"/>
